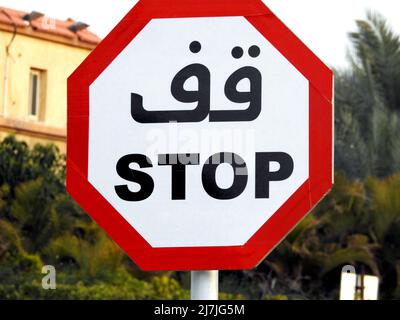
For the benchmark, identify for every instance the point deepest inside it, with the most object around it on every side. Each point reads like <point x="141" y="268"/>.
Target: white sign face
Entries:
<point x="199" y="86"/>
<point x="348" y="284"/>
<point x="371" y="287"/>
<point x="368" y="287"/>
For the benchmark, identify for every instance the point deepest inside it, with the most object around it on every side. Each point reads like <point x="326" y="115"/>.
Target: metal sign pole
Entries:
<point x="204" y="285"/>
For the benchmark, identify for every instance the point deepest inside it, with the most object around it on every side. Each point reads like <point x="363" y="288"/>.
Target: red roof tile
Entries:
<point x="47" y="25"/>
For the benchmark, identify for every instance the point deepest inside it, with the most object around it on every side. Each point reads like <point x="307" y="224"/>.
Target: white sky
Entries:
<point x="323" y="25"/>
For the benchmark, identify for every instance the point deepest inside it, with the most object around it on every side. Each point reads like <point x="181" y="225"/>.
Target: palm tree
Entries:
<point x="384" y="229"/>
<point x="92" y="253"/>
<point x="333" y="236"/>
<point x="368" y="102"/>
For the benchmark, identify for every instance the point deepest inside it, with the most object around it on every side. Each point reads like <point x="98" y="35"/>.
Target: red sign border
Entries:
<point x="284" y="220"/>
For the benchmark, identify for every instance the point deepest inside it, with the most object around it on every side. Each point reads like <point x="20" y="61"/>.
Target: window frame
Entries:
<point x="39" y="95"/>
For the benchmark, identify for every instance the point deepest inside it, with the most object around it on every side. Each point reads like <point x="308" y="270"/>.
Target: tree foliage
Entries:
<point x="368" y="102"/>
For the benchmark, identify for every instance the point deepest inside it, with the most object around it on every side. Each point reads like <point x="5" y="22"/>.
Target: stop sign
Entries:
<point x="199" y="134"/>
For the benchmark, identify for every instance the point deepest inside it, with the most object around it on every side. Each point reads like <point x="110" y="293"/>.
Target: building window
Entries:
<point x="37" y="94"/>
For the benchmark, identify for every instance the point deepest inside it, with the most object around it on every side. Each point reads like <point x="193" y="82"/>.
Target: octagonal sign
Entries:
<point x="199" y="135"/>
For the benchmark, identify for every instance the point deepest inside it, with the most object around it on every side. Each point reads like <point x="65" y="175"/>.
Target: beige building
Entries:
<point x="37" y="54"/>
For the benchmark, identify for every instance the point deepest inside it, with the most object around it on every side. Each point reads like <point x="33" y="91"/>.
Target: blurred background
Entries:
<point x="358" y="224"/>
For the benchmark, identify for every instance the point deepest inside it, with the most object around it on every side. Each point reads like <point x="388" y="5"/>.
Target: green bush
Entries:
<point x="129" y="289"/>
